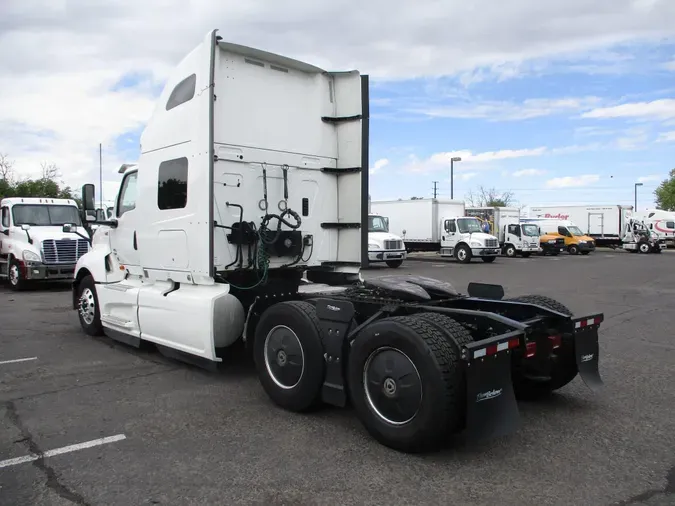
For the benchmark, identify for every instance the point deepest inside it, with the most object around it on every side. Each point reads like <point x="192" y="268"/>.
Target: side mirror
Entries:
<point x="67" y="228"/>
<point x="6" y="231"/>
<point x="88" y="192"/>
<point x="25" y="227"/>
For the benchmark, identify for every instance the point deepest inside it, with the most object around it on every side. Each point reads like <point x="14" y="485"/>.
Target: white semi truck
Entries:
<point x="515" y="237"/>
<point x="661" y="223"/>
<point x="246" y="220"/>
<point x="603" y="223"/>
<point x="438" y="225"/>
<point x="33" y="246"/>
<point x="383" y="246"/>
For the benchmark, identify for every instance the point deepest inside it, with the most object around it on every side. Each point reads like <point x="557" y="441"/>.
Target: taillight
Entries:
<point x="530" y="349"/>
<point x="556" y="341"/>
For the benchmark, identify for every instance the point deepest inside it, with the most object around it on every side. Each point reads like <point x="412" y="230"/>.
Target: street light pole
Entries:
<point x="636" y="185"/>
<point x="452" y="175"/>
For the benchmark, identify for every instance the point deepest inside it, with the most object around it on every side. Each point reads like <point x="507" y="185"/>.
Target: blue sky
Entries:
<point x="561" y="116"/>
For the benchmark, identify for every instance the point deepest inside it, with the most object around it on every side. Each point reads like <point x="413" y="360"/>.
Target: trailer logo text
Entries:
<point x="490" y="394"/>
<point x="559" y="216"/>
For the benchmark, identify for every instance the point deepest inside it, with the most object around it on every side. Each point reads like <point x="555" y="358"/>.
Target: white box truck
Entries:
<point x="515" y="237"/>
<point x="245" y="221"/>
<point x="33" y="245"/>
<point x="438" y="225"/>
<point x="604" y="223"/>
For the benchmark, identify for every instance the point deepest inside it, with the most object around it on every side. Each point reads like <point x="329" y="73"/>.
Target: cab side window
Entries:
<point x="563" y="231"/>
<point x="127" y="198"/>
<point x="5" y="217"/>
<point x="514" y="229"/>
<point x="450" y="226"/>
<point x="670" y="224"/>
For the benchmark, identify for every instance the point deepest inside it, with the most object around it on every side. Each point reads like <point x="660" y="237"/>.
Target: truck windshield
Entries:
<point x="377" y="224"/>
<point x="468" y="225"/>
<point x="531" y="230"/>
<point x="575" y="230"/>
<point x="43" y="215"/>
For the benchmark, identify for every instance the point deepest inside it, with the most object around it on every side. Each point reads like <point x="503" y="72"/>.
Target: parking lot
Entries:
<point x="120" y="426"/>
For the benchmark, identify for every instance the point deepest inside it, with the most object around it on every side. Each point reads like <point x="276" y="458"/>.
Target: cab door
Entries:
<point x="449" y="236"/>
<point x="124" y="237"/>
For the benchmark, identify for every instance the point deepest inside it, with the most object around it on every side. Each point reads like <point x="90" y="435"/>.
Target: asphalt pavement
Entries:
<point x="91" y="422"/>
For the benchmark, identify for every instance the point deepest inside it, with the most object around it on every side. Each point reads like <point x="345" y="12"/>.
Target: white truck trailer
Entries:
<point x="438" y="225"/>
<point x="515" y="237"/>
<point x="33" y="245"/>
<point x="604" y="223"/>
<point x="246" y="220"/>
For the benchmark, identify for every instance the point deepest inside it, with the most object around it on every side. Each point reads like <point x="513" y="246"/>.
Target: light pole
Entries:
<point x="452" y="175"/>
<point x="636" y="185"/>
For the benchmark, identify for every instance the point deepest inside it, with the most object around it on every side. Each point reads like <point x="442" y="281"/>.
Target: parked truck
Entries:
<point x="576" y="242"/>
<point x="603" y="223"/>
<point x="439" y="225"/>
<point x="660" y="222"/>
<point x="235" y="229"/>
<point x="33" y="246"/>
<point x="515" y="238"/>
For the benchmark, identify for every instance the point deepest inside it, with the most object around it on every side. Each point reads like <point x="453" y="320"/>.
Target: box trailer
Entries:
<point x="604" y="223"/>
<point x="438" y="225"/>
<point x="236" y="230"/>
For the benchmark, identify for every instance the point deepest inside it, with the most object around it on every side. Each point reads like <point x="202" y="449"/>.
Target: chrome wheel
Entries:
<point x="87" y="306"/>
<point x="14" y="275"/>
<point x="510" y="251"/>
<point x="284" y="357"/>
<point x="392" y="385"/>
<point x="461" y="254"/>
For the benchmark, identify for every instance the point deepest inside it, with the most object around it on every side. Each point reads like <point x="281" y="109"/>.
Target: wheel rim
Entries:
<point x="461" y="254"/>
<point x="392" y="385"/>
<point x="284" y="357"/>
<point x="644" y="247"/>
<point x="87" y="306"/>
<point x="510" y="251"/>
<point x="14" y="275"/>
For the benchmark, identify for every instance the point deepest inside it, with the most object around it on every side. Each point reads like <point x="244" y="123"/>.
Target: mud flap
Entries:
<point x="587" y="350"/>
<point x="335" y="318"/>
<point x="491" y="409"/>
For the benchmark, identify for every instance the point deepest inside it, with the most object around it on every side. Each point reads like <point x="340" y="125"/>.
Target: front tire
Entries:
<point x="488" y="260"/>
<point x="288" y="355"/>
<point x="563" y="364"/>
<point x="526" y="254"/>
<point x="402" y="377"/>
<point x="463" y="254"/>
<point x="510" y="250"/>
<point x="17" y="281"/>
<point x="644" y="247"/>
<point x="573" y="249"/>
<point x="394" y="264"/>
<point x="88" y="309"/>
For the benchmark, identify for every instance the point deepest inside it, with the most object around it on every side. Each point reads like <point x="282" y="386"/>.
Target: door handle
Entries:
<point x="135" y="242"/>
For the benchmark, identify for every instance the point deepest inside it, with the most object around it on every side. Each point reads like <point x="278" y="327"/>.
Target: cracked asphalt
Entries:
<point x="194" y="437"/>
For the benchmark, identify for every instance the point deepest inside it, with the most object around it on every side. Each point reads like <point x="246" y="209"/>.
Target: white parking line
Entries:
<point x="16" y="360"/>
<point x="60" y="451"/>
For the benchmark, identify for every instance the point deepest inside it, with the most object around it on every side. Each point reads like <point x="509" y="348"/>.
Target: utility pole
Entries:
<point x="636" y="187"/>
<point x="435" y="188"/>
<point x="452" y="175"/>
<point x="100" y="175"/>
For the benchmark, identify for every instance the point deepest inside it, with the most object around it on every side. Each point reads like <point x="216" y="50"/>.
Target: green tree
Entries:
<point x="665" y="193"/>
<point x="46" y="186"/>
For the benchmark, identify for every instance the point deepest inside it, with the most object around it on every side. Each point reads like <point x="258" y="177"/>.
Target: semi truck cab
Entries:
<point x="463" y="238"/>
<point x="382" y="245"/>
<point x="33" y="245"/>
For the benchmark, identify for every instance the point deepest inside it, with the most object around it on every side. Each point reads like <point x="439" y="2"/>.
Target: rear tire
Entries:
<point x="288" y="355"/>
<point x="394" y="264"/>
<point x="88" y="309"/>
<point x="402" y="377"/>
<point x="564" y="364"/>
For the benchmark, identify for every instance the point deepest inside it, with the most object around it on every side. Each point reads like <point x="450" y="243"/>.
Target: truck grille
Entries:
<point x="393" y="245"/>
<point x="490" y="243"/>
<point x="63" y="251"/>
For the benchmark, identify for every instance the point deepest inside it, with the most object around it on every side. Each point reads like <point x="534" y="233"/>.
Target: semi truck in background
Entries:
<point x="603" y="223"/>
<point x="33" y="244"/>
<point x="515" y="237"/>
<point x="236" y="230"/>
<point x="439" y="225"/>
<point x="661" y="223"/>
<point x="384" y="246"/>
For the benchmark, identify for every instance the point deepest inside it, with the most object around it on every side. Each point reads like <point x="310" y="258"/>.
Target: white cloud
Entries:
<point x="511" y="111"/>
<point x="60" y="60"/>
<point x="650" y="178"/>
<point x="467" y="175"/>
<point x="440" y="161"/>
<point x="572" y="181"/>
<point x="528" y="172"/>
<point x="378" y="165"/>
<point x="669" y="65"/>
<point x="662" y="109"/>
<point x="666" y="137"/>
